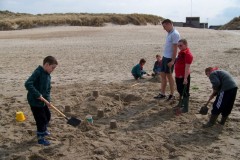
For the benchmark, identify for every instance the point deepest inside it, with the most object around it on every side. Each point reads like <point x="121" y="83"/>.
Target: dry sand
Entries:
<point x="100" y="58"/>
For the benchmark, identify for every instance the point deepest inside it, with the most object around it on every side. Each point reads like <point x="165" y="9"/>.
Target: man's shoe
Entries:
<point x="170" y="97"/>
<point x="160" y="96"/>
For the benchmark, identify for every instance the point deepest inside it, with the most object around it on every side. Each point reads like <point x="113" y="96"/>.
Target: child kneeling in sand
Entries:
<point x="39" y="86"/>
<point x="137" y="70"/>
<point x="157" y="66"/>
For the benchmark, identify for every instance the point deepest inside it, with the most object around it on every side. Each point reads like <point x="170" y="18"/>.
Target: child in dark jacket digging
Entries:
<point x="225" y="90"/>
<point x="39" y="86"/>
<point x="137" y="70"/>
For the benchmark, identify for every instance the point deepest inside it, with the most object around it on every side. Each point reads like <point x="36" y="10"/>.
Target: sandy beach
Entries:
<point x="100" y="59"/>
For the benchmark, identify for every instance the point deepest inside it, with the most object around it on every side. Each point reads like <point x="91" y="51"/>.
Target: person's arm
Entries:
<point x="29" y="84"/>
<point x="215" y="85"/>
<point x="138" y="71"/>
<point x="48" y="97"/>
<point x="175" y="39"/>
<point x="155" y="67"/>
<point x="186" y="72"/>
<point x="173" y="56"/>
<point x="188" y="62"/>
<point x="174" y="53"/>
<point x="47" y="103"/>
<point x="215" y="81"/>
<point x="214" y="93"/>
<point x="144" y="72"/>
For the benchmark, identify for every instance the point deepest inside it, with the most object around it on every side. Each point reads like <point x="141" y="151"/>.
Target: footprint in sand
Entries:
<point x="131" y="97"/>
<point x="36" y="157"/>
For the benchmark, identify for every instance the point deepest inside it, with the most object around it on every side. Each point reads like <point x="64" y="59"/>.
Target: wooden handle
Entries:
<point x="135" y="84"/>
<point x="45" y="101"/>
<point x="208" y="101"/>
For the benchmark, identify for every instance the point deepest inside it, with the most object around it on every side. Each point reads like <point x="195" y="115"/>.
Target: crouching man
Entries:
<point x="225" y="90"/>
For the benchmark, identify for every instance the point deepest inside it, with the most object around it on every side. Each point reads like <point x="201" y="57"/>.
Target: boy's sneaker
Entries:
<point x="160" y="96"/>
<point x="170" y="97"/>
<point x="43" y="142"/>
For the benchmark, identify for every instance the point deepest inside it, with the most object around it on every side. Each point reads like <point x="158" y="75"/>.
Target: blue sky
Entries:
<point x="215" y="12"/>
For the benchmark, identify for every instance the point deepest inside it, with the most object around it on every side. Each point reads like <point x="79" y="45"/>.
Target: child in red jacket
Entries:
<point x="182" y="73"/>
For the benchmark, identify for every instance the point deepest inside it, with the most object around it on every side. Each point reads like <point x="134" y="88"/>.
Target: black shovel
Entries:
<point x="204" y="109"/>
<point x="71" y="121"/>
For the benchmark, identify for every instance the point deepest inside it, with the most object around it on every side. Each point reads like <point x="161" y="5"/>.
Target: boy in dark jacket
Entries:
<point x="225" y="89"/>
<point x="137" y="71"/>
<point x="39" y="86"/>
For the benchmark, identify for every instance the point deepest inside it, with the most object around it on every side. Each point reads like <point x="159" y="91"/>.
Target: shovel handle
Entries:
<point x="135" y="84"/>
<point x="208" y="101"/>
<point x="46" y="102"/>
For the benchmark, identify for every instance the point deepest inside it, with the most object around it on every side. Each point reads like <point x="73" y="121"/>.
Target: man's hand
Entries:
<point x="170" y="64"/>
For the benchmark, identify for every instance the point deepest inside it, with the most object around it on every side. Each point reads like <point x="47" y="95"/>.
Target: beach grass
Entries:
<point x="234" y="24"/>
<point x="16" y="21"/>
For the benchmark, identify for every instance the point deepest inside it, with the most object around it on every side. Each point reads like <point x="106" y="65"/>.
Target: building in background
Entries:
<point x="215" y="27"/>
<point x="193" y="22"/>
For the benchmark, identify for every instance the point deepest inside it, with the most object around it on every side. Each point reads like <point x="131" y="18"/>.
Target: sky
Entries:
<point x="214" y="12"/>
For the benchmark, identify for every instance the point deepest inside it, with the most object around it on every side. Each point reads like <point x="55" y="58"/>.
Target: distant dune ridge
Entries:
<point x="15" y="21"/>
<point x="234" y="24"/>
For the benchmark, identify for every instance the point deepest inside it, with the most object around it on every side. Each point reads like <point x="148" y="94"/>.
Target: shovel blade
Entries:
<point x="74" y="121"/>
<point x="204" y="110"/>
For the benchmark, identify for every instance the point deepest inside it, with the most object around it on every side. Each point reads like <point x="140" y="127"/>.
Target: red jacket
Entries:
<point x="184" y="57"/>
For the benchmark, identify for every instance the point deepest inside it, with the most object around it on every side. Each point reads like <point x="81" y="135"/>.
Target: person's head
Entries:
<point x="142" y="61"/>
<point x="167" y="25"/>
<point x="158" y="57"/>
<point x="209" y="70"/>
<point x="49" y="64"/>
<point x="182" y="44"/>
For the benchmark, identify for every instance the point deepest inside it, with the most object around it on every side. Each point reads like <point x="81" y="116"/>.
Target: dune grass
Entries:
<point x="15" y="21"/>
<point x="234" y="24"/>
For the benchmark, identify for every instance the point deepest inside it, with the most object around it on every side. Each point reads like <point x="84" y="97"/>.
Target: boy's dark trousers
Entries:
<point x="224" y="102"/>
<point x="180" y="86"/>
<point x="183" y="92"/>
<point x="42" y="116"/>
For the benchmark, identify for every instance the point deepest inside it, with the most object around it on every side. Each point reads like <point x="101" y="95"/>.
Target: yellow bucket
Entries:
<point x="20" y="116"/>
